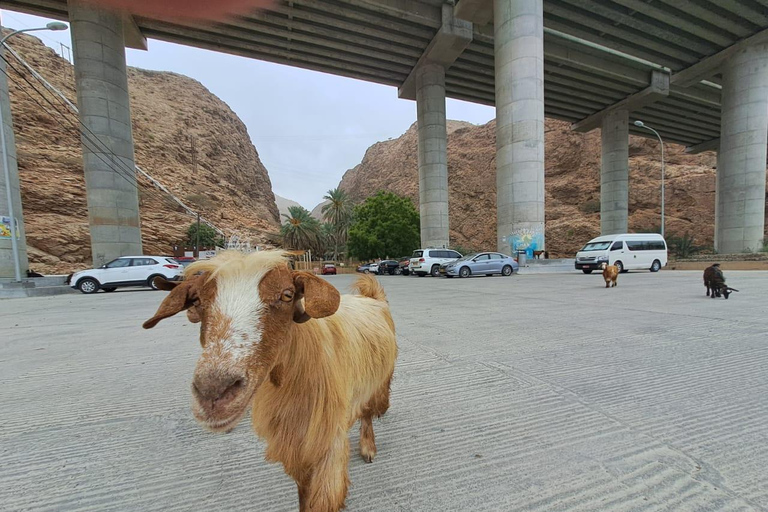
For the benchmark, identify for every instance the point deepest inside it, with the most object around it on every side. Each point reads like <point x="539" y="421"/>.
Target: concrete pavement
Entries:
<point x="530" y="393"/>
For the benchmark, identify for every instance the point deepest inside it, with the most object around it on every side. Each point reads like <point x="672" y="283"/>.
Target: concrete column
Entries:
<point x="102" y="96"/>
<point x="740" y="221"/>
<point x="433" y="155"/>
<point x="6" y="252"/>
<point x="518" y="30"/>
<point x="614" y="173"/>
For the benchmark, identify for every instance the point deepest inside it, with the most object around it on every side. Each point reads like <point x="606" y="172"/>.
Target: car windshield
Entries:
<point x="468" y="257"/>
<point x="596" y="246"/>
<point x="329" y="265"/>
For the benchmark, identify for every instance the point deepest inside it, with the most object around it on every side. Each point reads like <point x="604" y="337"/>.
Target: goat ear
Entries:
<point x="162" y="284"/>
<point x="321" y="299"/>
<point x="181" y="298"/>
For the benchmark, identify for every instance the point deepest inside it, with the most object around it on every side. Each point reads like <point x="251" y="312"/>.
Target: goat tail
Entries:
<point x="369" y="286"/>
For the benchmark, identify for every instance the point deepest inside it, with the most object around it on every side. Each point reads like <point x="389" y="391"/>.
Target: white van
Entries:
<point x="643" y="251"/>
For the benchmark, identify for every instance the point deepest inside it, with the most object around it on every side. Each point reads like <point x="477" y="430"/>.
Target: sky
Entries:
<point x="308" y="127"/>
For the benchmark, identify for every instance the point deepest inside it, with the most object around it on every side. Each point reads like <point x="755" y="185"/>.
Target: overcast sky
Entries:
<point x="308" y="127"/>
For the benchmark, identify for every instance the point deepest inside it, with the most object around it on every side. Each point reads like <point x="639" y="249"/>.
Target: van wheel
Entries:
<point x="587" y="270"/>
<point x="435" y="271"/>
<point x="620" y="266"/>
<point x="656" y="266"/>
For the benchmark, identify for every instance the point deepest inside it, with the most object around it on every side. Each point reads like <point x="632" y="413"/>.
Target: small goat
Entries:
<point x="714" y="280"/>
<point x="309" y="368"/>
<point x="610" y="274"/>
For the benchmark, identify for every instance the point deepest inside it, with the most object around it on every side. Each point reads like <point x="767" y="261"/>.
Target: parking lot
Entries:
<point x="533" y="393"/>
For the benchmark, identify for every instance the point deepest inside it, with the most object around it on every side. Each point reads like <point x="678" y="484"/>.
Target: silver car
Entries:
<point x="482" y="263"/>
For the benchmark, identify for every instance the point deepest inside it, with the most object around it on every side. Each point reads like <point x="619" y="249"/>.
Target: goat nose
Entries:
<point x="218" y="390"/>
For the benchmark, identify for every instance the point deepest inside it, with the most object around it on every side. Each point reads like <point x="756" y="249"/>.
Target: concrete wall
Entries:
<point x="6" y="253"/>
<point x="433" y="155"/>
<point x="102" y="95"/>
<point x="614" y="173"/>
<point x="519" y="61"/>
<point x="740" y="221"/>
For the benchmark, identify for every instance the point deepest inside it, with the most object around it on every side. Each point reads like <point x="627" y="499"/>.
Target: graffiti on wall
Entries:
<point x="526" y="239"/>
<point x="5" y="228"/>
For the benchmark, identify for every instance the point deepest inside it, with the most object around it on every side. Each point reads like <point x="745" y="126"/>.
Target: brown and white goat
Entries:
<point x="610" y="274"/>
<point x="309" y="361"/>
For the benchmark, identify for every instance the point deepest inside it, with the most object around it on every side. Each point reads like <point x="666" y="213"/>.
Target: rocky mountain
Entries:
<point x="572" y="185"/>
<point x="184" y="136"/>
<point x="317" y="211"/>
<point x="283" y="204"/>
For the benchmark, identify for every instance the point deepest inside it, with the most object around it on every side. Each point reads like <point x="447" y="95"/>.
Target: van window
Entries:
<point x="453" y="254"/>
<point x="596" y="246"/>
<point x="418" y="254"/>
<point x="617" y="246"/>
<point x="646" y="245"/>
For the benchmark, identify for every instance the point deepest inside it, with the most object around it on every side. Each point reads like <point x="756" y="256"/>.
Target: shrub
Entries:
<point x="591" y="206"/>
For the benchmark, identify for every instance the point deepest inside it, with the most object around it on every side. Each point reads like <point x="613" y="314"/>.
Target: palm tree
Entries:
<point x="338" y="213"/>
<point x="301" y="231"/>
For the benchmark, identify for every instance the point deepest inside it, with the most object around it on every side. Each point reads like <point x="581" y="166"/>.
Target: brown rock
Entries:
<point x="184" y="136"/>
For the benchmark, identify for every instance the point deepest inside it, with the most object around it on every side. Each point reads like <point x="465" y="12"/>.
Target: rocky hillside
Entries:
<point x="283" y="204"/>
<point x="184" y="136"/>
<point x="572" y="185"/>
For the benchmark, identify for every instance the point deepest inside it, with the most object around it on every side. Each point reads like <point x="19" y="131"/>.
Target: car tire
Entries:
<point x="366" y="271"/>
<point x="587" y="270"/>
<point x="88" y="285"/>
<point x="435" y="271"/>
<point x="397" y="271"/>
<point x="151" y="281"/>
<point x="655" y="266"/>
<point x="620" y="266"/>
<point x="110" y="289"/>
<point x="465" y="272"/>
<point x="507" y="270"/>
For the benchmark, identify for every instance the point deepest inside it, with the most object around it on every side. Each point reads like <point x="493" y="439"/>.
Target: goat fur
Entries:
<point x="610" y="275"/>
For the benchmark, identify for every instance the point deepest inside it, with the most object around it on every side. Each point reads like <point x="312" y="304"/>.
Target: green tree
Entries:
<point x="337" y="213"/>
<point x="208" y="236"/>
<point x="384" y="225"/>
<point x="301" y="231"/>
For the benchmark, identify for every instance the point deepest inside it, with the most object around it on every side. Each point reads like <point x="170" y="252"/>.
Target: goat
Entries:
<point x="309" y="368"/>
<point x="610" y="274"/>
<point x="714" y="281"/>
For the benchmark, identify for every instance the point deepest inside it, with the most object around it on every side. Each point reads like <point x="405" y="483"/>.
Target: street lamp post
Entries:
<point x="54" y="25"/>
<point x="640" y="124"/>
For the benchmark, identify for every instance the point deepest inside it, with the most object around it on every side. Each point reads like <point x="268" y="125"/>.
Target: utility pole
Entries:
<point x="197" y="242"/>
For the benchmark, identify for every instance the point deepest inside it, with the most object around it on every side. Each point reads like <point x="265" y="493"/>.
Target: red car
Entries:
<point x="328" y="269"/>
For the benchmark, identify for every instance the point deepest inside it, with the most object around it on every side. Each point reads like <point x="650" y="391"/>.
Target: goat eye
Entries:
<point x="287" y="296"/>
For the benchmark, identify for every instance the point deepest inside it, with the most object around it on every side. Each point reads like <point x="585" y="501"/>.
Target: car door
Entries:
<point x="495" y="263"/>
<point x="480" y="264"/>
<point x="116" y="271"/>
<point x="141" y="269"/>
<point x="616" y="252"/>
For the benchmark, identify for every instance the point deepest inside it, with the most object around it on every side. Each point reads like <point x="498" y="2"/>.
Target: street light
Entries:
<point x="54" y="25"/>
<point x="640" y="124"/>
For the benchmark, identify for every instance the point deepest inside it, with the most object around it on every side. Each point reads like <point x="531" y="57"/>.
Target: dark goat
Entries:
<point x="714" y="280"/>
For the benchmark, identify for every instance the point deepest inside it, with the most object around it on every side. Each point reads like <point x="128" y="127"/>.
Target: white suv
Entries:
<point x="428" y="261"/>
<point x="127" y="271"/>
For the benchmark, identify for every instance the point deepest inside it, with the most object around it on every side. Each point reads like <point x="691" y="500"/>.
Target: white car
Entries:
<point x="374" y="268"/>
<point x="127" y="271"/>
<point x="428" y="261"/>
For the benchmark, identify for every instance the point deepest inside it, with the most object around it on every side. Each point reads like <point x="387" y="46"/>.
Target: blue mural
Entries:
<point x="526" y="239"/>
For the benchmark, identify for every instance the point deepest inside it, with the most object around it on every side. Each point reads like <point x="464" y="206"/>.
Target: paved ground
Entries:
<point x="537" y="392"/>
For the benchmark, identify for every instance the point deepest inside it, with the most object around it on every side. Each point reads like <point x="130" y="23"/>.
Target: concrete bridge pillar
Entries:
<point x="740" y="210"/>
<point x="614" y="173"/>
<point x="7" y="266"/>
<point x="518" y="30"/>
<point x="433" y="155"/>
<point x="98" y="45"/>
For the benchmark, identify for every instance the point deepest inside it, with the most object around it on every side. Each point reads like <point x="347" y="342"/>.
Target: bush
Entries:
<point x="683" y="246"/>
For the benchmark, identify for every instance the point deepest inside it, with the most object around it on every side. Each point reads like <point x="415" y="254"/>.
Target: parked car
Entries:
<point x="428" y="261"/>
<point x="365" y="269"/>
<point x="329" y="269"/>
<point x="185" y="261"/>
<point x="483" y="263"/>
<point x="391" y="267"/>
<point x="405" y="265"/>
<point x="642" y="251"/>
<point x="374" y="268"/>
<point x="127" y="271"/>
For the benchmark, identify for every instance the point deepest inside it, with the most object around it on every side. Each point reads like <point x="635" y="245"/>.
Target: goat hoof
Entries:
<point x="367" y="456"/>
